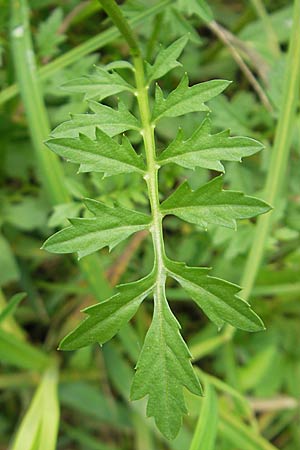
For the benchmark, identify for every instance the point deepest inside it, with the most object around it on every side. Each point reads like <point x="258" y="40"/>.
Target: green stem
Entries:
<point x="152" y="182"/>
<point x="50" y="169"/>
<point x="89" y="46"/>
<point x="114" y="12"/>
<point x="147" y="132"/>
<point x="279" y="158"/>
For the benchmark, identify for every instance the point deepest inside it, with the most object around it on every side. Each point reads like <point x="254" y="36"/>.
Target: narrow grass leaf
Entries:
<point x="12" y="305"/>
<point x="17" y="353"/>
<point x="39" y="427"/>
<point x="205" y="434"/>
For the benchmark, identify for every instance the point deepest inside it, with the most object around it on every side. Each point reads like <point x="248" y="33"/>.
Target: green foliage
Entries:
<point x="185" y="99"/>
<point x="163" y="367"/>
<point x="106" y="318"/>
<point x="109" y="227"/>
<point x="108" y="120"/>
<point x="39" y="426"/>
<point x="166" y="60"/>
<point x="216" y="297"/>
<point x="48" y="38"/>
<point x="98" y="86"/>
<point x="100" y="155"/>
<point x="209" y="204"/>
<point x="250" y="396"/>
<point x="207" y="150"/>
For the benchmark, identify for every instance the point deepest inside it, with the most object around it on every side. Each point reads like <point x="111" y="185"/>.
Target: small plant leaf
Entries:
<point x="101" y="155"/>
<point x="211" y="205"/>
<point x="39" y="426"/>
<point x="106" y="318"/>
<point x="163" y="369"/>
<point x="205" y="150"/>
<point x="198" y="7"/>
<point x="185" y="99"/>
<point x="109" y="227"/>
<point x="12" y="305"/>
<point x="98" y="86"/>
<point x="110" y="121"/>
<point x="166" y="59"/>
<point x="48" y="38"/>
<point x="217" y="298"/>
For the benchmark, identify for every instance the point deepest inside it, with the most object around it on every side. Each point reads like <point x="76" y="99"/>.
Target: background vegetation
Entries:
<point x="251" y="380"/>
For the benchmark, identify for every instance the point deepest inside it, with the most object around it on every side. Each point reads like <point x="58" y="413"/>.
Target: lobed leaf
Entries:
<point x="163" y="369"/>
<point x="106" y="318"/>
<point x="198" y="7"/>
<point x="217" y="298"/>
<point x="211" y="205"/>
<point x="205" y="150"/>
<point x="110" y="121"/>
<point x="100" y="155"/>
<point x="98" y="86"/>
<point x="166" y="59"/>
<point x="185" y="99"/>
<point x="109" y="227"/>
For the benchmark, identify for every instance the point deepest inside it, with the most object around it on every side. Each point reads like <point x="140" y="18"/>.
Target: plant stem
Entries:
<point x="280" y="153"/>
<point x="152" y="180"/>
<point x="114" y="12"/>
<point x="89" y="46"/>
<point x="147" y="132"/>
<point x="52" y="176"/>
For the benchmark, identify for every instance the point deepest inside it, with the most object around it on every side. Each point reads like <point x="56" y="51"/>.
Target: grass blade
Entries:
<point x="11" y="306"/>
<point x="18" y="353"/>
<point x="39" y="427"/>
<point x="206" y="430"/>
<point x="48" y="164"/>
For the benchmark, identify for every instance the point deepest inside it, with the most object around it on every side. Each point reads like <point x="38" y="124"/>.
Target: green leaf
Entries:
<point x="217" y="298"/>
<point x="185" y="99"/>
<point x="48" y="38"/>
<point x="163" y="369"/>
<point x="110" y="121"/>
<point x="166" y="59"/>
<point x="105" y="319"/>
<point x="98" y="86"/>
<point x="101" y="155"/>
<point x="211" y="205"/>
<point x="17" y="353"/>
<point x="39" y="427"/>
<point x="205" y="434"/>
<point x="205" y="150"/>
<point x="108" y="228"/>
<point x="12" y="305"/>
<point x="198" y="7"/>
